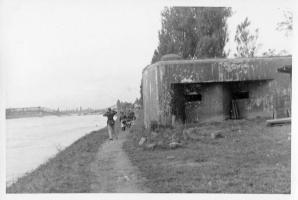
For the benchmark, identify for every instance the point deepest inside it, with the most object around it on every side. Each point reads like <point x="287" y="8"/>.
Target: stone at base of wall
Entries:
<point x="265" y="114"/>
<point x="220" y="118"/>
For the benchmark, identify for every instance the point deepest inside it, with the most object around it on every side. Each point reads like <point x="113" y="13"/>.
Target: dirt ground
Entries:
<point x="113" y="171"/>
<point x="249" y="158"/>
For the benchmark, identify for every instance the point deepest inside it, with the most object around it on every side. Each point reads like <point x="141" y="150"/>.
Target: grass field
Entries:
<point x="250" y="158"/>
<point x="67" y="172"/>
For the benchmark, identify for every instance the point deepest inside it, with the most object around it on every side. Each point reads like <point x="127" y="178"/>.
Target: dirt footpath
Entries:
<point x="113" y="171"/>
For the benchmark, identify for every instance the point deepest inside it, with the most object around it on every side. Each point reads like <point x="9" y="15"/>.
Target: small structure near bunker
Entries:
<point x="189" y="91"/>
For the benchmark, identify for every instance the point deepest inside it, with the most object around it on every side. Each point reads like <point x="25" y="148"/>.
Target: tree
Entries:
<point x="192" y="32"/>
<point x="273" y="52"/>
<point x="141" y="93"/>
<point x="245" y="40"/>
<point x="118" y="104"/>
<point x="269" y="53"/>
<point x="287" y="23"/>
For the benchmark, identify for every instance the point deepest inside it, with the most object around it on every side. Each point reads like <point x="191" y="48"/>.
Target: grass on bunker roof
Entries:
<point x="251" y="158"/>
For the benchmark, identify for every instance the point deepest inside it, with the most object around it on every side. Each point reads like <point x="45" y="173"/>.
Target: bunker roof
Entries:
<point x="213" y="60"/>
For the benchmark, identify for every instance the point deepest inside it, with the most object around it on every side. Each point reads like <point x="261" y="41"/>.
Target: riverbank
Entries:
<point x="67" y="172"/>
<point x="248" y="157"/>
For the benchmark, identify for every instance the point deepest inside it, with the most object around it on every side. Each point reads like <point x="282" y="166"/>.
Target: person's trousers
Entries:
<point x="111" y="131"/>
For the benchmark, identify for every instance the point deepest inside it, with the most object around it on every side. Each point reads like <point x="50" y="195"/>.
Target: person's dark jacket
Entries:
<point x="110" y="115"/>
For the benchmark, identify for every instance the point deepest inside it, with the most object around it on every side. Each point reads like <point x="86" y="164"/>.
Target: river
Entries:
<point x="32" y="141"/>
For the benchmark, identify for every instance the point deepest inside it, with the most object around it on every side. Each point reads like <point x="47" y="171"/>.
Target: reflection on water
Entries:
<point x="31" y="141"/>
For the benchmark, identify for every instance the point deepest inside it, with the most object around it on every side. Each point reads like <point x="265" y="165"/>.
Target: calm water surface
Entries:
<point x="32" y="141"/>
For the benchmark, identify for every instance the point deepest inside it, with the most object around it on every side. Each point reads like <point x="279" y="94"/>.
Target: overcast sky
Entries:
<point x="90" y="53"/>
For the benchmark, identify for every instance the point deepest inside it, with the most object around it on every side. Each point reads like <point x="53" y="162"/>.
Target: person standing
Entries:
<point x="111" y="123"/>
<point x="131" y="117"/>
<point x="122" y="120"/>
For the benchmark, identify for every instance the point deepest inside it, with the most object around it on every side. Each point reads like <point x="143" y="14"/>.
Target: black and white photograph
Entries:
<point x="147" y="97"/>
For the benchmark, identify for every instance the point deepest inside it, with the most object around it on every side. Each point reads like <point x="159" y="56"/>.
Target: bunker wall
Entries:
<point x="269" y="90"/>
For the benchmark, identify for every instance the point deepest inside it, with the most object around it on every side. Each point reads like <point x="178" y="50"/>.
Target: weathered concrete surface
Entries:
<point x="210" y="107"/>
<point x="269" y="90"/>
<point x="151" y="96"/>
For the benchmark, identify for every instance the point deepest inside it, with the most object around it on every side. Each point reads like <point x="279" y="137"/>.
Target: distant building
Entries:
<point x="28" y="112"/>
<point x="189" y="91"/>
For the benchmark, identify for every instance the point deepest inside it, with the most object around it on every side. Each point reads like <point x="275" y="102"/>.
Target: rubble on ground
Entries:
<point x="170" y="157"/>
<point x="154" y="134"/>
<point x="150" y="146"/>
<point x="142" y="141"/>
<point x="199" y="133"/>
<point x="174" y="145"/>
<point x="217" y="134"/>
<point x="172" y="138"/>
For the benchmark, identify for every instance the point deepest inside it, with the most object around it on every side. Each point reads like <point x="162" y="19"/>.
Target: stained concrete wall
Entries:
<point x="260" y="98"/>
<point x="209" y="108"/>
<point x="265" y="98"/>
<point x="150" y="84"/>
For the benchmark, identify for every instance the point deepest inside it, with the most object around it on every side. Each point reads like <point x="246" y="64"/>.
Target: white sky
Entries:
<point x="90" y="53"/>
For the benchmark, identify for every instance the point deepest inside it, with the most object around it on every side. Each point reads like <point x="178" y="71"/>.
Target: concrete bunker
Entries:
<point x="196" y="102"/>
<point x="190" y="91"/>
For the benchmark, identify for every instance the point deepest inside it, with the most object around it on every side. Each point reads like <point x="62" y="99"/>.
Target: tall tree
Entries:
<point x="141" y="93"/>
<point x="193" y="32"/>
<point x="273" y="52"/>
<point x="246" y="40"/>
<point x="287" y="24"/>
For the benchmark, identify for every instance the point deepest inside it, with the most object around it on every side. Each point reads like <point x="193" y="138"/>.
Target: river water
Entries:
<point x="32" y="141"/>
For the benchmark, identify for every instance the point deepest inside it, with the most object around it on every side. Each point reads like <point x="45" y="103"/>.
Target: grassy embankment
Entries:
<point x="250" y="158"/>
<point x="67" y="172"/>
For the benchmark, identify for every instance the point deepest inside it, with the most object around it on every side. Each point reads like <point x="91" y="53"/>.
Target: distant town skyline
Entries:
<point x="68" y="54"/>
<point x="58" y="108"/>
